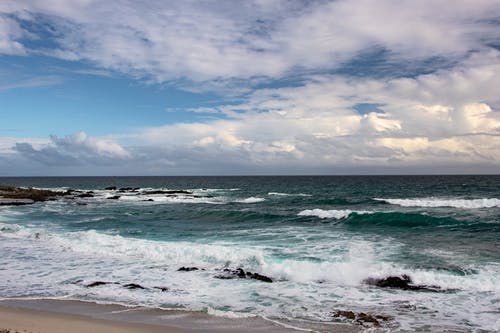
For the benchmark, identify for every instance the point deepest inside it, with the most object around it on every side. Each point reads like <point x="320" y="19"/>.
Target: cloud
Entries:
<point x="213" y="40"/>
<point x="76" y="149"/>
<point x="10" y="33"/>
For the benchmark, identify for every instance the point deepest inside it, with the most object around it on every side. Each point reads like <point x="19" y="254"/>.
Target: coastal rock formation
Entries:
<point x="361" y="318"/>
<point x="239" y="273"/>
<point x="403" y="282"/>
<point x="10" y="195"/>
<point x="114" y="197"/>
<point x="187" y="269"/>
<point x="110" y="188"/>
<point x="168" y="192"/>
<point x="133" y="286"/>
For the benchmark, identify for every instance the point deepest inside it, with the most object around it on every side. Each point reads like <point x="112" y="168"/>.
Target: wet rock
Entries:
<point x="97" y="283"/>
<point x="125" y="189"/>
<point x="241" y="274"/>
<point x="133" y="286"/>
<point x="361" y="318"/>
<point x="403" y="282"/>
<point x="187" y="269"/>
<point x="345" y="314"/>
<point x="148" y="200"/>
<point x="163" y="289"/>
<point x="85" y="195"/>
<point x="29" y="195"/>
<point x="110" y="188"/>
<point x="168" y="192"/>
<point x="114" y="197"/>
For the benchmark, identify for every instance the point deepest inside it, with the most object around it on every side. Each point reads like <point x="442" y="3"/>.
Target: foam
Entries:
<point x="250" y="200"/>
<point x="433" y="202"/>
<point x="328" y="214"/>
<point x="280" y="194"/>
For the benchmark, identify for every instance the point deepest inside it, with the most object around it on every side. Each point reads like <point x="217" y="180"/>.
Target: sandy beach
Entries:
<point x="61" y="316"/>
<point x="36" y="321"/>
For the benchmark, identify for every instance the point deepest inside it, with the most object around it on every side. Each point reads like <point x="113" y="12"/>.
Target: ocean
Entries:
<point x="321" y="240"/>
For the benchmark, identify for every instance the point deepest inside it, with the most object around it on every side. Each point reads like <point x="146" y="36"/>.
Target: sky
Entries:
<point x="255" y="87"/>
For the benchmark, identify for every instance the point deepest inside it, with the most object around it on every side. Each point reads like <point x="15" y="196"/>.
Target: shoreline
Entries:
<point x="60" y="316"/>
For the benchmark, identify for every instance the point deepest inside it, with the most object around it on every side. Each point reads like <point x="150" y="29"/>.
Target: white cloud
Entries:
<point x="202" y="41"/>
<point x="10" y="33"/>
<point x="75" y="149"/>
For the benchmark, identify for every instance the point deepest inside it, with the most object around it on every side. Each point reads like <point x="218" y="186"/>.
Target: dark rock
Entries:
<point x="345" y="314"/>
<point x="85" y="195"/>
<point x="187" y="269"/>
<point x="11" y="192"/>
<point x="148" y="200"/>
<point x="239" y="273"/>
<point x="361" y="318"/>
<point x="133" y="286"/>
<point x="403" y="282"/>
<point x="111" y="188"/>
<point x="163" y="289"/>
<point x="97" y="283"/>
<point x="123" y="189"/>
<point x="114" y="197"/>
<point x="169" y="192"/>
<point x="259" y="277"/>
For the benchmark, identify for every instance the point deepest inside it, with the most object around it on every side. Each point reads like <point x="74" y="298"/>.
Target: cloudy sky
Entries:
<point x="122" y="87"/>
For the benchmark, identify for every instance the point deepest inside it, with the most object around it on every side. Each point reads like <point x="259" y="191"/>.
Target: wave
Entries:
<point x="281" y="194"/>
<point x="433" y="202"/>
<point x="250" y="200"/>
<point x="328" y="214"/>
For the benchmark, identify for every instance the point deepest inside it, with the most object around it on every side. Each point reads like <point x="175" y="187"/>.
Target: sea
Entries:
<point x="321" y="239"/>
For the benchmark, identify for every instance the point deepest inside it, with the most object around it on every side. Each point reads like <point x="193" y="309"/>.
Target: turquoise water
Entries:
<point x="318" y="238"/>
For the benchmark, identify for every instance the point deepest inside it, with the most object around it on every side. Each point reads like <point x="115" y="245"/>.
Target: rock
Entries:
<point x="97" y="283"/>
<point x="241" y="274"/>
<point x="35" y="195"/>
<point x="169" y="192"/>
<point x="187" y="269"/>
<point x="133" y="286"/>
<point x="124" y="189"/>
<point x="148" y="200"/>
<point x="259" y="277"/>
<point x="345" y="314"/>
<point x="361" y="318"/>
<point x="403" y="282"/>
<point x="163" y="289"/>
<point x="111" y="188"/>
<point x="114" y="197"/>
<point x="85" y="195"/>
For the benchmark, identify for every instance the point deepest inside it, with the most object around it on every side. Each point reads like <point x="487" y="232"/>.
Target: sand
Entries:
<point x="35" y="321"/>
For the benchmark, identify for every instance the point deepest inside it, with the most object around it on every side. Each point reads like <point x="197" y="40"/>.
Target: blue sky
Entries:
<point x="252" y="87"/>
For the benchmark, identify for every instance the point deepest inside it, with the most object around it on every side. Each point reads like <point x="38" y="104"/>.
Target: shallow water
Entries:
<point x="318" y="238"/>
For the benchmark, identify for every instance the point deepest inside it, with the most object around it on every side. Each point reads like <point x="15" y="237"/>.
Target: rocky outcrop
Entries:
<point x="168" y="192"/>
<point x="239" y="273"/>
<point x="187" y="269"/>
<point x="403" y="282"/>
<point x="361" y="318"/>
<point x="10" y="195"/>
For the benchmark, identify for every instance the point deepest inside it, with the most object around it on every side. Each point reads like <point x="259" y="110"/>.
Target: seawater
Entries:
<point x="318" y="238"/>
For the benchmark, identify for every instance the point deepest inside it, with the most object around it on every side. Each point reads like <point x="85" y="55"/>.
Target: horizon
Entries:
<point x="261" y="88"/>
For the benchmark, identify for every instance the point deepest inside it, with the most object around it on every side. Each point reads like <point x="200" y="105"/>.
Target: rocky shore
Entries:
<point x="10" y="195"/>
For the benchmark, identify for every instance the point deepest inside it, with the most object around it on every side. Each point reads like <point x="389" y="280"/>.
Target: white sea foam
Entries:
<point x="250" y="200"/>
<point x="329" y="214"/>
<point x="280" y="194"/>
<point x="443" y="202"/>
